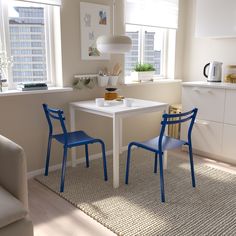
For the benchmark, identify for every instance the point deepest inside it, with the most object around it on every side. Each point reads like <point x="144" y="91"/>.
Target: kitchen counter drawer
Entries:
<point x="206" y="136"/>
<point x="229" y="144"/>
<point x="210" y="102"/>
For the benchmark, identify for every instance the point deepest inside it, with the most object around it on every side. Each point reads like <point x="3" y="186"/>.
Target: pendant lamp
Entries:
<point x="115" y="44"/>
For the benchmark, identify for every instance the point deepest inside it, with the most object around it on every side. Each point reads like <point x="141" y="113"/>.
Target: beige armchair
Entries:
<point x="14" y="219"/>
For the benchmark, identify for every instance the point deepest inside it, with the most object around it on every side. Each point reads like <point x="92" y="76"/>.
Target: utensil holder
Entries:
<point x="113" y="80"/>
<point x="103" y="81"/>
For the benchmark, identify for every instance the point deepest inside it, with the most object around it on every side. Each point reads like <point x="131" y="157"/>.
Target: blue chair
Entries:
<point x="162" y="143"/>
<point x="69" y="140"/>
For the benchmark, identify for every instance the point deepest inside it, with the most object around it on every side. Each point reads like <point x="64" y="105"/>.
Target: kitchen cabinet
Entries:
<point x="228" y="143"/>
<point x="215" y="127"/>
<point x="230" y="107"/>
<point x="207" y="136"/>
<point x="215" y="18"/>
<point x="206" y="98"/>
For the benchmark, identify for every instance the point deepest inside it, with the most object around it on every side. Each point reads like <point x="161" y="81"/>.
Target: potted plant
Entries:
<point x="143" y="72"/>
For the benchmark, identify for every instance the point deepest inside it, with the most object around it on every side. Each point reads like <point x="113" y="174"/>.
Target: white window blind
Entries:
<point x="157" y="13"/>
<point x="46" y="2"/>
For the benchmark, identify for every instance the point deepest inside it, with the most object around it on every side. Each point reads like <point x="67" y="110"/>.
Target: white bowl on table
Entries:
<point x="128" y="102"/>
<point x="100" y="102"/>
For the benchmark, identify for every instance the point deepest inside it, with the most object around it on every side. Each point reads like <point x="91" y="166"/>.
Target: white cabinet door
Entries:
<point x="230" y="107"/>
<point x="206" y="136"/>
<point x="229" y="144"/>
<point x="215" y="18"/>
<point x="209" y="101"/>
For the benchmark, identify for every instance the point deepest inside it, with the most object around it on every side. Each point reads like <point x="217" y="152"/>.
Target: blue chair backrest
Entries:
<point x="55" y="114"/>
<point x="171" y="119"/>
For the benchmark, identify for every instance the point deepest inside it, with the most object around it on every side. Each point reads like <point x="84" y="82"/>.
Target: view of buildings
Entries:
<point x="27" y="38"/>
<point x="151" y="55"/>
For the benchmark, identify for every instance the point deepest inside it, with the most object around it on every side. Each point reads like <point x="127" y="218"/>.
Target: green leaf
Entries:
<point x="144" y="67"/>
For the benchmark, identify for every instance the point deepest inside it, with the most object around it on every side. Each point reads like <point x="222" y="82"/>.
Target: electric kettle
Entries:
<point x="214" y="71"/>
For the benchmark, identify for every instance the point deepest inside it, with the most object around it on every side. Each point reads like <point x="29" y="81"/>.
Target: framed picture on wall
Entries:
<point x="95" y="21"/>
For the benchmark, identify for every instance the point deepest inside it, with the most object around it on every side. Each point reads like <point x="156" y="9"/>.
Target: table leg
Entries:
<point x="72" y="128"/>
<point x="116" y="150"/>
<point x="121" y="135"/>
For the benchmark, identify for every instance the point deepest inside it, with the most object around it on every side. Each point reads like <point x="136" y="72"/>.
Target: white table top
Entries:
<point x="118" y="108"/>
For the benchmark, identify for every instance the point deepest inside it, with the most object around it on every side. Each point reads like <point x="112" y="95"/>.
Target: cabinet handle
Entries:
<point x="196" y="90"/>
<point x="209" y="91"/>
<point x="201" y="122"/>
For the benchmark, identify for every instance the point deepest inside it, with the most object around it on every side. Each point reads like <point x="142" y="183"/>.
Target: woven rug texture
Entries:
<point x="136" y="209"/>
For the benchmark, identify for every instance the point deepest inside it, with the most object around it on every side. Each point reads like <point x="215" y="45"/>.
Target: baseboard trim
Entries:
<point x="92" y="157"/>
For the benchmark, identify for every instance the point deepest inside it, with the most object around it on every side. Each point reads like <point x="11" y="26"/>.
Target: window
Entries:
<point x="28" y="38"/>
<point x="151" y="24"/>
<point x="148" y="46"/>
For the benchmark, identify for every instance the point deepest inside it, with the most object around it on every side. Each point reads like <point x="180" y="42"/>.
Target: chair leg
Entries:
<point x="155" y="163"/>
<point x="128" y="164"/>
<point x="48" y="155"/>
<point x="162" y="178"/>
<point x="104" y="161"/>
<point x="87" y="155"/>
<point x="63" y="170"/>
<point x="192" y="165"/>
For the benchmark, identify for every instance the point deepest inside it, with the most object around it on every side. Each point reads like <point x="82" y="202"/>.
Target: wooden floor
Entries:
<point x="53" y="216"/>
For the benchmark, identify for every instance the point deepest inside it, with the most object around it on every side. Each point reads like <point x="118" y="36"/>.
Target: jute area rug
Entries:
<point x="136" y="209"/>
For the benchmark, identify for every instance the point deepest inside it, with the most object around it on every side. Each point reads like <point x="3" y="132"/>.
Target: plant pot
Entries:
<point x="142" y="75"/>
<point x="103" y="81"/>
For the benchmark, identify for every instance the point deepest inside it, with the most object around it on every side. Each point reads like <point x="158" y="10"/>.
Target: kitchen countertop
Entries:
<point x="221" y="85"/>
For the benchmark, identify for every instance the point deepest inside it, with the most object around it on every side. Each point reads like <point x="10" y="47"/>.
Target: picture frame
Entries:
<point x="95" y="21"/>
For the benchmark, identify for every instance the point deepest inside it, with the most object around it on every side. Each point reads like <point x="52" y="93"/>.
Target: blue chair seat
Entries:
<point x="168" y="143"/>
<point x="75" y="138"/>
<point x="162" y="143"/>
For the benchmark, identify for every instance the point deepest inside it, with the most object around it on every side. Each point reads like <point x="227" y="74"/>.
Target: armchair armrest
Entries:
<point x="13" y="170"/>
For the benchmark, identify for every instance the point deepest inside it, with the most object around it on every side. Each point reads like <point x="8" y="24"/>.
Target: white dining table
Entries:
<point x="117" y="111"/>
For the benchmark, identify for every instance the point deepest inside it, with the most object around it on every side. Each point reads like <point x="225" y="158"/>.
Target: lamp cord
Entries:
<point x="113" y="17"/>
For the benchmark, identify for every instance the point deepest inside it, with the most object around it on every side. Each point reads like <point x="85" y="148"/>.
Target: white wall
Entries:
<point x="200" y="51"/>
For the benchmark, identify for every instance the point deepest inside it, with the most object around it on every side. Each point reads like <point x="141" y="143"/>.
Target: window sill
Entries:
<point x="49" y="90"/>
<point x="157" y="81"/>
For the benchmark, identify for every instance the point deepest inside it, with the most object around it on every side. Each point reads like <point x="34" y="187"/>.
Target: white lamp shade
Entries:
<point x="117" y="44"/>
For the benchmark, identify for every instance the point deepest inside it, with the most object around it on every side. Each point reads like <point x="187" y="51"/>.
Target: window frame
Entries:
<point x="166" y="68"/>
<point x="49" y="39"/>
